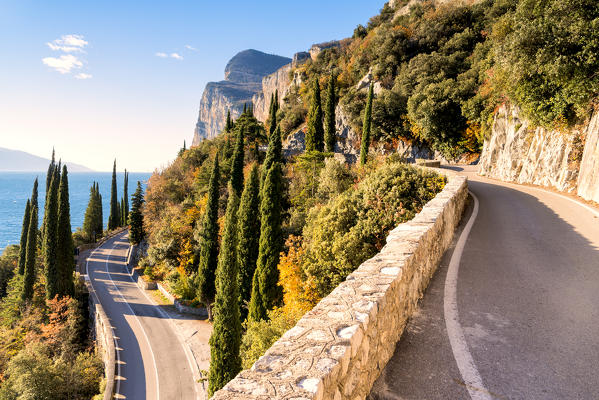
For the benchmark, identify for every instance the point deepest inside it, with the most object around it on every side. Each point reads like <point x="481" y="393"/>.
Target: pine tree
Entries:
<point x="366" y="126"/>
<point x="225" y="340"/>
<point x="126" y="196"/>
<point x="24" y="232"/>
<point x="113" y="217"/>
<point x="208" y="243"/>
<point x="50" y="235"/>
<point x="248" y="234"/>
<point x="65" y="262"/>
<point x="329" y="117"/>
<point x="30" y="259"/>
<point x="266" y="292"/>
<point x="136" y="219"/>
<point x="237" y="165"/>
<point x="315" y="130"/>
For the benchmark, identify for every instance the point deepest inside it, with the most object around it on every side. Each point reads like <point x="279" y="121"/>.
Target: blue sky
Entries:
<point x="106" y="79"/>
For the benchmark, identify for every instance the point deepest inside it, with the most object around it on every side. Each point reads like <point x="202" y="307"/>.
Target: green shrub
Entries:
<point x="353" y="226"/>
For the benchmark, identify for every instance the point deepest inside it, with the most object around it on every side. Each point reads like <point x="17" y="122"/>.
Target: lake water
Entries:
<point x="15" y="189"/>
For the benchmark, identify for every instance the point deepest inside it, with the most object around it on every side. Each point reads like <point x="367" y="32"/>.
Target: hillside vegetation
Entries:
<point x="443" y="70"/>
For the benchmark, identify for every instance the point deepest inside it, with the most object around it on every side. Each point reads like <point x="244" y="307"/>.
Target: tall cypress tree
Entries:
<point x="136" y="219"/>
<point x="272" y="116"/>
<point x="274" y="151"/>
<point x="65" y="263"/>
<point x="100" y="212"/>
<point x="122" y="212"/>
<point x="126" y="196"/>
<point x="366" y="126"/>
<point x="315" y="130"/>
<point x="30" y="259"/>
<point x="50" y="230"/>
<point x="248" y="234"/>
<point x="208" y="243"/>
<point x="50" y="172"/>
<point x="266" y="293"/>
<point x="237" y="165"/>
<point x="90" y="217"/>
<point x="34" y="195"/>
<point x="229" y="123"/>
<point x="113" y="217"/>
<point x="225" y="340"/>
<point x="329" y="116"/>
<point x="24" y="233"/>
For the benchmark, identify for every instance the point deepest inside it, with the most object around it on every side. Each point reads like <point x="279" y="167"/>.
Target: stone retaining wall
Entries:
<point x="338" y="349"/>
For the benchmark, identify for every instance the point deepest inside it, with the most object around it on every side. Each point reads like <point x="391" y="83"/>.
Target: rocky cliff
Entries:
<point x="566" y="160"/>
<point x="243" y="79"/>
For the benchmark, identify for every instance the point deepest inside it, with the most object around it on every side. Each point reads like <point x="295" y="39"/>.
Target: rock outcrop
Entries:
<point x="559" y="159"/>
<point x="243" y="79"/>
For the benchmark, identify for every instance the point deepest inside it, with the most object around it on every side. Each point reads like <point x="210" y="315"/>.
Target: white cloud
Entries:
<point x="83" y="75"/>
<point x="68" y="44"/>
<point x="63" y="64"/>
<point x="176" y="56"/>
<point x="189" y="47"/>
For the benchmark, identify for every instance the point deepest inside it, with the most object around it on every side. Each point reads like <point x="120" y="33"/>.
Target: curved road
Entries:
<point x="527" y="293"/>
<point x="151" y="361"/>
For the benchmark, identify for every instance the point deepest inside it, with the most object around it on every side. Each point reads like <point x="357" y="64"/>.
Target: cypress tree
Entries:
<point x="126" y="195"/>
<point x="29" y="273"/>
<point x="276" y="101"/>
<point x="24" y="232"/>
<point x="366" y="126"/>
<point x="136" y="219"/>
<point x="50" y="230"/>
<point x="229" y="123"/>
<point x="100" y="212"/>
<point x="266" y="292"/>
<point x="248" y="234"/>
<point x="65" y="262"/>
<point x="245" y="108"/>
<point x="122" y="212"/>
<point x="237" y="164"/>
<point x="274" y="151"/>
<point x="113" y="217"/>
<point x="225" y="340"/>
<point x="208" y="243"/>
<point x="49" y="173"/>
<point x="90" y="218"/>
<point x="329" y="117"/>
<point x="34" y="202"/>
<point x="272" y="116"/>
<point x="315" y="130"/>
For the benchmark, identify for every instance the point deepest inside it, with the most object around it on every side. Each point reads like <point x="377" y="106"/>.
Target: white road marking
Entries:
<point x="459" y="347"/>
<point x="581" y="204"/>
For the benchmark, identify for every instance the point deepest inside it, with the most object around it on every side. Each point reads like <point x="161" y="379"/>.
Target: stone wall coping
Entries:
<point x="338" y="349"/>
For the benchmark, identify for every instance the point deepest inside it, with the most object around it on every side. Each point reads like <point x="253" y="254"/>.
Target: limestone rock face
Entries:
<point x="588" y="176"/>
<point x="538" y="156"/>
<point x="243" y="79"/>
<point x="348" y="140"/>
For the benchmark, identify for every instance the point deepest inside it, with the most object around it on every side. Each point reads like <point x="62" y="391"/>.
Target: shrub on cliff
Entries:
<point x="353" y="226"/>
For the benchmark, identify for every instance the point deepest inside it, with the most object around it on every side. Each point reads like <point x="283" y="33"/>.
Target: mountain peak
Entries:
<point x="250" y="66"/>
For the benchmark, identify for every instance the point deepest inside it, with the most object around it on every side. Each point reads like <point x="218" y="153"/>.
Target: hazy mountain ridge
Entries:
<point x="20" y="161"/>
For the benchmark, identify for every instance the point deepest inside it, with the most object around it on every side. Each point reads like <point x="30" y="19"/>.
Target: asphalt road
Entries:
<point x="527" y="301"/>
<point x="151" y="361"/>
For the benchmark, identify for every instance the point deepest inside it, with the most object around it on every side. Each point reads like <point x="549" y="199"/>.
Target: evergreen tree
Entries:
<point x="366" y="126"/>
<point x="126" y="196"/>
<point x="229" y="123"/>
<point x="237" y="165"/>
<point x="245" y="108"/>
<point x="30" y="259"/>
<point x="248" y="234"/>
<point x="122" y="212"/>
<point x="34" y="201"/>
<point x="266" y="292"/>
<point x="65" y="262"/>
<point x="208" y="243"/>
<point x="329" y="117"/>
<point x="90" y="217"/>
<point x="274" y="151"/>
<point x="136" y="219"/>
<point x="50" y="235"/>
<point x="100" y="227"/>
<point x="24" y="232"/>
<point x="272" y="116"/>
<point x="113" y="217"/>
<point x="225" y="340"/>
<point x="276" y="101"/>
<point x="50" y="172"/>
<point x="315" y="130"/>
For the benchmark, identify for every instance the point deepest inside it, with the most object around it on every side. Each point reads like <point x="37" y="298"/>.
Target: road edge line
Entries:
<point x="459" y="346"/>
